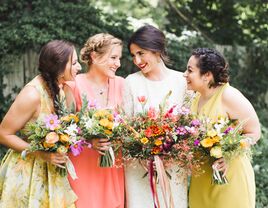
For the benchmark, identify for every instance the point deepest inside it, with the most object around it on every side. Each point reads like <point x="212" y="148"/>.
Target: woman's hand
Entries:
<point x="221" y="165"/>
<point x="101" y="145"/>
<point x="54" y="158"/>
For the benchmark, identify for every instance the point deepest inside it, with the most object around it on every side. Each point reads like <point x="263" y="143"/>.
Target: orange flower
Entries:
<point x="158" y="142"/>
<point x="51" y="139"/>
<point x="108" y="132"/>
<point x="64" y="138"/>
<point x="155" y="150"/>
<point x="216" y="139"/>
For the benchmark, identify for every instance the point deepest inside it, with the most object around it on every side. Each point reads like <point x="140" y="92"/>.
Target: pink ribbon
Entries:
<point x="164" y="183"/>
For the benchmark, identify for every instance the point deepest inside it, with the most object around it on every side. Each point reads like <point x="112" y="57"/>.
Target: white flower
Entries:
<point x="88" y="123"/>
<point x="71" y="130"/>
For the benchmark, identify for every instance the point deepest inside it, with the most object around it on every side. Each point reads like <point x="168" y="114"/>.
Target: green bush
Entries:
<point x="260" y="164"/>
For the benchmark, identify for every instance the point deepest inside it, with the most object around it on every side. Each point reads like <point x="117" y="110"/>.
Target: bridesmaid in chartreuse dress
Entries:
<point x="207" y="74"/>
<point x="98" y="187"/>
<point x="33" y="181"/>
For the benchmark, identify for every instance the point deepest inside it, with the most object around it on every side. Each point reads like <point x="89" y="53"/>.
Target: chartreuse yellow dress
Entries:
<point x="33" y="183"/>
<point x="240" y="191"/>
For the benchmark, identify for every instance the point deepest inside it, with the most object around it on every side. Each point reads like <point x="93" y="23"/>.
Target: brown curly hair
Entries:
<point x="211" y="60"/>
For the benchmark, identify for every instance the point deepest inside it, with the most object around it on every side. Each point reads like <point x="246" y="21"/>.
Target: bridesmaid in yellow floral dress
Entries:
<point x="33" y="182"/>
<point x="207" y="73"/>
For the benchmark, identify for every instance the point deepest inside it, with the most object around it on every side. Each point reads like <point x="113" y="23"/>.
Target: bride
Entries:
<point x="154" y="81"/>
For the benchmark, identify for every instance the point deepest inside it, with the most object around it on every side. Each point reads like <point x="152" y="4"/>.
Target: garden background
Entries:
<point x="237" y="28"/>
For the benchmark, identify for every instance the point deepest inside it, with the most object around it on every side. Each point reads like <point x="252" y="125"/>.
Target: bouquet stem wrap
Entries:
<point x="218" y="177"/>
<point x="108" y="160"/>
<point x="164" y="183"/>
<point x="70" y="169"/>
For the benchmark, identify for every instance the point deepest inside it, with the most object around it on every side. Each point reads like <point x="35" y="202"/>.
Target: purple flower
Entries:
<point x="77" y="148"/>
<point x="184" y="111"/>
<point x="196" y="142"/>
<point x="92" y="104"/>
<point x="52" y="121"/>
<point x="195" y="122"/>
<point x="228" y="130"/>
<point x="181" y="130"/>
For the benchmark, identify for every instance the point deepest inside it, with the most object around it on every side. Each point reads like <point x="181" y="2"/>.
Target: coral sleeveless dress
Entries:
<point x="240" y="191"/>
<point x="33" y="182"/>
<point x="97" y="187"/>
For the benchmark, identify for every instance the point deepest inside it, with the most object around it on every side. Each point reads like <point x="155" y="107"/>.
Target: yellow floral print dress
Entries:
<point x="33" y="182"/>
<point x="240" y="191"/>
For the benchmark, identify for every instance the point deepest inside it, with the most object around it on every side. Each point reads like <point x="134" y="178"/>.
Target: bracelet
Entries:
<point x="24" y="154"/>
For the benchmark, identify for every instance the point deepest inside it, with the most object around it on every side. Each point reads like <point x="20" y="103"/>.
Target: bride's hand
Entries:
<point x="101" y="145"/>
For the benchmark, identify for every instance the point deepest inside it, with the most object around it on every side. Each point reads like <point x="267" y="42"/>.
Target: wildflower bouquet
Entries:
<point x="55" y="134"/>
<point x="154" y="136"/>
<point x="99" y="123"/>
<point x="222" y="138"/>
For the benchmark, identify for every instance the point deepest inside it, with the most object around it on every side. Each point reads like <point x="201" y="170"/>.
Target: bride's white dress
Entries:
<point x="138" y="193"/>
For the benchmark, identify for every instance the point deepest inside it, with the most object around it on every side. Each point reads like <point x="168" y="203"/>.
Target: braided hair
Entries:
<point x="100" y="44"/>
<point x="53" y="59"/>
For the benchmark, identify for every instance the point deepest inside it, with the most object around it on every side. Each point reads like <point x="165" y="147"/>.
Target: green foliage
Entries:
<point x="248" y="67"/>
<point x="260" y="164"/>
<point x="223" y="21"/>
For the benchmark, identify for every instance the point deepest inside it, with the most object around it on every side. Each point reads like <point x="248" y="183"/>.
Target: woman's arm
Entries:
<point x="238" y="107"/>
<point x="25" y="107"/>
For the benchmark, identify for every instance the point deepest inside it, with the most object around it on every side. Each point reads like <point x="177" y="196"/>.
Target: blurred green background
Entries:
<point x="237" y="28"/>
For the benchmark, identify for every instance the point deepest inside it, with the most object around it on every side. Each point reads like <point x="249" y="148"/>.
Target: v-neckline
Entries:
<point x="199" y="109"/>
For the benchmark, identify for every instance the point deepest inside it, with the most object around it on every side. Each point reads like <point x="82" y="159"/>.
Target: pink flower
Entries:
<point x="77" y="148"/>
<point x="52" y="121"/>
<point x="181" y="130"/>
<point x="152" y="113"/>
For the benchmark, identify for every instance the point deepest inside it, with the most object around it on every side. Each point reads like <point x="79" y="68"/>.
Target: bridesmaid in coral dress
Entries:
<point x="98" y="187"/>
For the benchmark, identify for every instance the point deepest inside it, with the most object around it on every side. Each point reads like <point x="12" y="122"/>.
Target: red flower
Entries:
<point x="142" y="99"/>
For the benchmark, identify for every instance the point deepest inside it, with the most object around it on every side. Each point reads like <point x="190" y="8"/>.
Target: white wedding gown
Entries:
<point x="138" y="192"/>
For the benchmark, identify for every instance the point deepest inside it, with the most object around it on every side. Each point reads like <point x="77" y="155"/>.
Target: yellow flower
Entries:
<point x="212" y="133"/>
<point x="216" y="152"/>
<point x="207" y="142"/>
<point x="108" y="132"/>
<point x="104" y="122"/>
<point x="158" y="142"/>
<point x="101" y="113"/>
<point x="244" y="144"/>
<point x="144" y="140"/>
<point x="62" y="149"/>
<point x="215" y="139"/>
<point x="74" y="117"/>
<point x="64" y="138"/>
<point x="110" y="125"/>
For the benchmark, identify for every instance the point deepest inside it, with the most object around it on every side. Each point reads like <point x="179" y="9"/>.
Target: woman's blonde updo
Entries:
<point x="100" y="44"/>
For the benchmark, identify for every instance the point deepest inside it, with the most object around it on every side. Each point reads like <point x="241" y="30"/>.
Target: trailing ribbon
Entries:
<point x="153" y="184"/>
<point x="164" y="183"/>
<point x="70" y="169"/>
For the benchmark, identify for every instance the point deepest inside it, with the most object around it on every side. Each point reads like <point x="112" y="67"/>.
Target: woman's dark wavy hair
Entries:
<point x="150" y="38"/>
<point x="53" y="59"/>
<point x="211" y="60"/>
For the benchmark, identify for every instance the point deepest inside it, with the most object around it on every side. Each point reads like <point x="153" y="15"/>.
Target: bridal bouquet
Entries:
<point x="55" y="134"/>
<point x="100" y="123"/>
<point x="156" y="137"/>
<point x="222" y="138"/>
